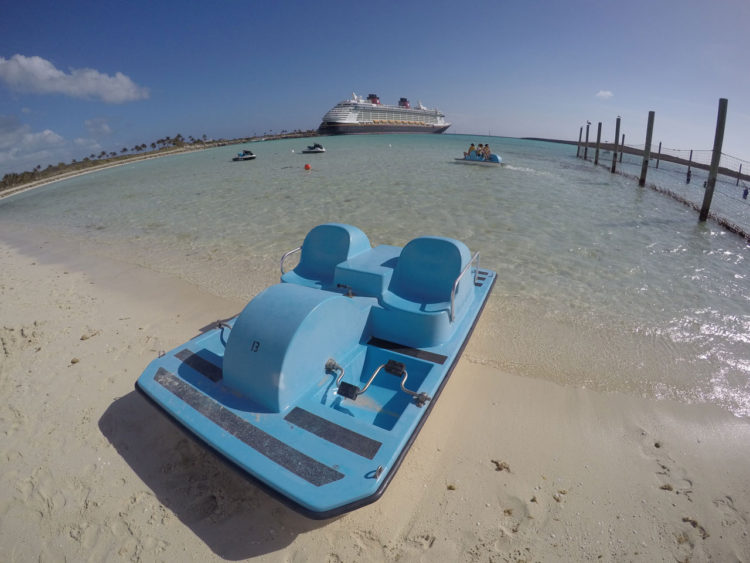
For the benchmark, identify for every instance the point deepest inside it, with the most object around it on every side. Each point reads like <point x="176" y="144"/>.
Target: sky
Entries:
<point x="78" y="78"/>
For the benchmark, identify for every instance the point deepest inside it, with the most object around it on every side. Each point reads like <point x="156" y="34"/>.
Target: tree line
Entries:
<point x="37" y="173"/>
<point x="164" y="144"/>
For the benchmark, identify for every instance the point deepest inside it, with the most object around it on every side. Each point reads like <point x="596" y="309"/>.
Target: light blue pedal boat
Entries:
<point x="318" y="388"/>
<point x="474" y="158"/>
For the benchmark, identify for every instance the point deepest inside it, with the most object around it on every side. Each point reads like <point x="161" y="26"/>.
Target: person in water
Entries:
<point x="471" y="148"/>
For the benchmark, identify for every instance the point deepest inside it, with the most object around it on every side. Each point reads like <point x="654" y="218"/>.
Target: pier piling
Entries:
<point x="614" y="149"/>
<point x="598" y="142"/>
<point x="586" y="146"/>
<point x="647" y="148"/>
<point x="721" y="119"/>
<point x="658" y="155"/>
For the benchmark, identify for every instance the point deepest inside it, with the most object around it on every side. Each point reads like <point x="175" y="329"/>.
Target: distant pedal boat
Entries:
<point x="318" y="388"/>
<point x="474" y="158"/>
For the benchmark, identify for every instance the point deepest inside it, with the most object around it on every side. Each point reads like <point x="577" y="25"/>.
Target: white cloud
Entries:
<point x="604" y="94"/>
<point x="98" y="127"/>
<point x="14" y="134"/>
<point x="21" y="148"/>
<point x="38" y="75"/>
<point x="87" y="144"/>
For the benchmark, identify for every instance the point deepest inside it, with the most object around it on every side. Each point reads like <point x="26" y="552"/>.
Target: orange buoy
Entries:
<point x="308" y="167"/>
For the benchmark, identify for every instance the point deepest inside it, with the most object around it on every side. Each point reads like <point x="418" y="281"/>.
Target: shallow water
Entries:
<point x="601" y="283"/>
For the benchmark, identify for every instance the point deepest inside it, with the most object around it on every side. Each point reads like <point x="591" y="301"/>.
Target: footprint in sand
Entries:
<point x="673" y="479"/>
<point x="730" y="515"/>
<point x="515" y="514"/>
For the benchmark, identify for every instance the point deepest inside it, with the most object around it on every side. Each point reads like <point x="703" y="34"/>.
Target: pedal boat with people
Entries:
<point x="474" y="158"/>
<point x="319" y="387"/>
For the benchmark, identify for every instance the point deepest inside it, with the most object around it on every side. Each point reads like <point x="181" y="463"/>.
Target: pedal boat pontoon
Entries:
<point x="318" y="388"/>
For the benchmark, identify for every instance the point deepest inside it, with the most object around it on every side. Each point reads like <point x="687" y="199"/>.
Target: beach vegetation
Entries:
<point x="166" y="145"/>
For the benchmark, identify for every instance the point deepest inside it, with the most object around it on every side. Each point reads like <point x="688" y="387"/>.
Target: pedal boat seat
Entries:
<point x="324" y="247"/>
<point x="416" y="306"/>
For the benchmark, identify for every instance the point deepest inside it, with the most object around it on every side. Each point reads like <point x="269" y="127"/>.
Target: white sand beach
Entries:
<point x="506" y="468"/>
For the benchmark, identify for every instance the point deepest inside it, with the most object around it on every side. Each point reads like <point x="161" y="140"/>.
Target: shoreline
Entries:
<point x="92" y="470"/>
<point x="140" y="157"/>
<point x="94" y="168"/>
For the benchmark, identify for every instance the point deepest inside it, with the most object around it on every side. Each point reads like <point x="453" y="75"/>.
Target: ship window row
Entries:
<point x="393" y="116"/>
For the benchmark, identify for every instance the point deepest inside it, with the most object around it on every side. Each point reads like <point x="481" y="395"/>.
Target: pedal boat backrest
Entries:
<point x="427" y="269"/>
<point x="324" y="247"/>
<point x="429" y="290"/>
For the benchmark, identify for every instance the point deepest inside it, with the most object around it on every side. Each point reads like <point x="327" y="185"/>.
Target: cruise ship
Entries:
<point x="360" y="115"/>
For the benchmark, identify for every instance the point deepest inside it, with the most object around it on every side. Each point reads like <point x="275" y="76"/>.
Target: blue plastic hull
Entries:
<point x="260" y="393"/>
<point x="494" y="160"/>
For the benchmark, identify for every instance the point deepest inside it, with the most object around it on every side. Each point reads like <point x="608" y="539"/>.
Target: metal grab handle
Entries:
<point x="284" y="258"/>
<point x="458" y="279"/>
<point x="421" y="398"/>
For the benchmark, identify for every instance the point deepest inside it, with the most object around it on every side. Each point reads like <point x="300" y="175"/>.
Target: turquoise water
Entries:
<point x="602" y="284"/>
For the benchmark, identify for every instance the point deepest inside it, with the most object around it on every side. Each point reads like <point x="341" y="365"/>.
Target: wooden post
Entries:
<point x="598" y="142"/>
<point x="739" y="173"/>
<point x="689" y="172"/>
<point x="578" y="150"/>
<point x="586" y="147"/>
<point x="622" y="146"/>
<point x="658" y="156"/>
<point x="647" y="149"/>
<point x="614" y="151"/>
<point x="721" y="119"/>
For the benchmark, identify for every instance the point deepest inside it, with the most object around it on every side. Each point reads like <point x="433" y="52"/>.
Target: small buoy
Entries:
<point x="308" y="167"/>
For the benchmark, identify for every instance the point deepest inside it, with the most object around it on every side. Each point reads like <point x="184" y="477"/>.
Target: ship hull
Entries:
<point x="329" y="128"/>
